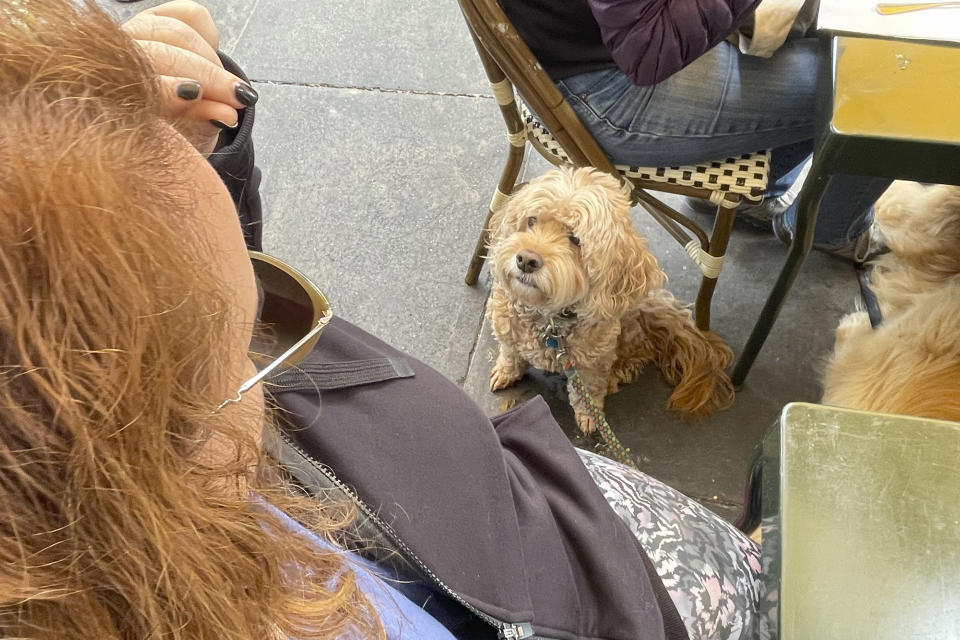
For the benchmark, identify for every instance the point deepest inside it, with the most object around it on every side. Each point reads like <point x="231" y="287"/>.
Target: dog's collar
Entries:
<point x="555" y="329"/>
<point x="566" y="315"/>
<point x="554" y="326"/>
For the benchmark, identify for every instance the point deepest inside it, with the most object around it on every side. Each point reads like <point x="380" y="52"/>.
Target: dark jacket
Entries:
<point x="234" y="161"/>
<point x="649" y="40"/>
<point x="495" y="523"/>
<point x="496" y="517"/>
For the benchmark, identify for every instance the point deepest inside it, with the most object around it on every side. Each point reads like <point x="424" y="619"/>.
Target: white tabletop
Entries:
<point x="860" y="16"/>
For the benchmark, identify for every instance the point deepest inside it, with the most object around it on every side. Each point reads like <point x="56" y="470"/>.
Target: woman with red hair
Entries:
<point x="135" y="498"/>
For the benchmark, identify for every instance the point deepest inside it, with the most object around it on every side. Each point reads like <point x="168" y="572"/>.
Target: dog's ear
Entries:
<point x="508" y="211"/>
<point x="921" y="225"/>
<point x="621" y="272"/>
<point x="620" y="268"/>
<point x="943" y="223"/>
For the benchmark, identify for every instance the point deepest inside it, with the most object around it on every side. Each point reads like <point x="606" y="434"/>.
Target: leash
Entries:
<point x="870" y="302"/>
<point x="552" y="338"/>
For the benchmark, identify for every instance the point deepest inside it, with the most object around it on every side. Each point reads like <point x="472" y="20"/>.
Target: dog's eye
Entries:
<point x="574" y="239"/>
<point x="531" y="221"/>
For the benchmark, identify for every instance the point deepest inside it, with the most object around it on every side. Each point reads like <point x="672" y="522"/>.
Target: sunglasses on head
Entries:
<point x="293" y="314"/>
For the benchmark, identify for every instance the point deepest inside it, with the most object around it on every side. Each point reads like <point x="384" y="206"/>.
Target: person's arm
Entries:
<point x="653" y="39"/>
<point x="206" y="97"/>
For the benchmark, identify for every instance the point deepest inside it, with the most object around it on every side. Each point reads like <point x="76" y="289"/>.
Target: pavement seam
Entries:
<point x="723" y="502"/>
<point x="329" y="85"/>
<point x="476" y="342"/>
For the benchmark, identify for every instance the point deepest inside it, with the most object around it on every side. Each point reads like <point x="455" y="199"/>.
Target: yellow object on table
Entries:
<point x="862" y="17"/>
<point x="894" y="8"/>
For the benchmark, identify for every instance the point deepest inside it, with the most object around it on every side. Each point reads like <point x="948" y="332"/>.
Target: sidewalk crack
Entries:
<point x="415" y="92"/>
<point x="471" y="356"/>
<point x="236" y="40"/>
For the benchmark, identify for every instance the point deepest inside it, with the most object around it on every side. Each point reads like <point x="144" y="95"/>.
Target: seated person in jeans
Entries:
<point x="657" y="84"/>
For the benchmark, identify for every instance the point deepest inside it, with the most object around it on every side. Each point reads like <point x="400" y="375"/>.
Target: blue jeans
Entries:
<point x="726" y="103"/>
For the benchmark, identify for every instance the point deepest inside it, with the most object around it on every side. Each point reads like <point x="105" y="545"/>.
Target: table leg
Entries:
<point x="808" y="208"/>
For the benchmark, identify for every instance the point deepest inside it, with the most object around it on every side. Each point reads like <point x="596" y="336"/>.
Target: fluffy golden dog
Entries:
<point x="563" y="248"/>
<point x="910" y="364"/>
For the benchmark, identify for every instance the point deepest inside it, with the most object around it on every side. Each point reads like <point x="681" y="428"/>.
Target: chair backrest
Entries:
<point x="505" y="55"/>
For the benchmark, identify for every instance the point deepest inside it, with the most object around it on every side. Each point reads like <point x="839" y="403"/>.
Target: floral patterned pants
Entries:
<point x="709" y="568"/>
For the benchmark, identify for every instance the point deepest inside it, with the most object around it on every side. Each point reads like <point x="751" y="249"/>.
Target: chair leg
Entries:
<point x="722" y="226"/>
<point x="808" y="208"/>
<point x="704" y="298"/>
<point x="479" y="253"/>
<point x="507" y="180"/>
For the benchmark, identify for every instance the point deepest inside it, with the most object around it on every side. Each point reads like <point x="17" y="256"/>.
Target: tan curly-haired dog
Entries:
<point x="909" y="364"/>
<point x="564" y="248"/>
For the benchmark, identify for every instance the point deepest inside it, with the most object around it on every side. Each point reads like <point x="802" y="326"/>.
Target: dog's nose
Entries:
<point x="529" y="261"/>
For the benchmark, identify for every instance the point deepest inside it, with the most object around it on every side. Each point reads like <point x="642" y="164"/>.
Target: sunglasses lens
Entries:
<point x="287" y="312"/>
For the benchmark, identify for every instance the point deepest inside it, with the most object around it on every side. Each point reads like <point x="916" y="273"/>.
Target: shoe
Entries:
<point x="865" y="247"/>
<point x="759" y="216"/>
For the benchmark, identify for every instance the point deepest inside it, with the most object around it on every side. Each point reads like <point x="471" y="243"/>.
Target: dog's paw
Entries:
<point x="851" y="325"/>
<point x="621" y="374"/>
<point x="585" y="422"/>
<point x="502" y="376"/>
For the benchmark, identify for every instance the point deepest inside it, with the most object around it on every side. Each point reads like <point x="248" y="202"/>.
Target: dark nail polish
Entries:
<point x="246" y="94"/>
<point x="225" y="127"/>
<point x="188" y="90"/>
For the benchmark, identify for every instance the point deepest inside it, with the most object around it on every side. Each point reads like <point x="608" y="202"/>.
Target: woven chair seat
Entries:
<point x="745" y="175"/>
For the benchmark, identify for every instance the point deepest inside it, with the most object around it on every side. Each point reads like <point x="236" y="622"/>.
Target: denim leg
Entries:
<point x="846" y="210"/>
<point x="785" y="165"/>
<point x="724" y="104"/>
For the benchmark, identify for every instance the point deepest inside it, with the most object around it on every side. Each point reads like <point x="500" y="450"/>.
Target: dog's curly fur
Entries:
<point x="910" y="364"/>
<point x="575" y="224"/>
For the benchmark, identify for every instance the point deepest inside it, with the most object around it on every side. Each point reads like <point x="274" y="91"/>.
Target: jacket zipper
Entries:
<point x="505" y="630"/>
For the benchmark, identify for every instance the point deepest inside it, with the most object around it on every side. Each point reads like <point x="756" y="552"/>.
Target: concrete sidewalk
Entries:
<point x="381" y="144"/>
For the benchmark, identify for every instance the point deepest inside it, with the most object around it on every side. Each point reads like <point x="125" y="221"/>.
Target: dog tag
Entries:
<point x="549" y="337"/>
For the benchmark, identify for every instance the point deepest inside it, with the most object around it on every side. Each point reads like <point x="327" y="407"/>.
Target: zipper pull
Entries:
<point x="515" y="631"/>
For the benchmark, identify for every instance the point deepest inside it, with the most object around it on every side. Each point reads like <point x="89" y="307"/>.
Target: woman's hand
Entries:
<point x="200" y="97"/>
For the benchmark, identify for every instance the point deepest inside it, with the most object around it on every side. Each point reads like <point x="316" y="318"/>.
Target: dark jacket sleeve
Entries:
<point x="653" y="39"/>
<point x="233" y="160"/>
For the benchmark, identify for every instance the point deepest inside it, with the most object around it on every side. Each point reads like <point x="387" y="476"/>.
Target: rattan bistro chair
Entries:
<point x="545" y="120"/>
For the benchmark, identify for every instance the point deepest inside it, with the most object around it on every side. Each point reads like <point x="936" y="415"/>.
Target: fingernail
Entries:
<point x="220" y="125"/>
<point x="188" y="90"/>
<point x="246" y="94"/>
